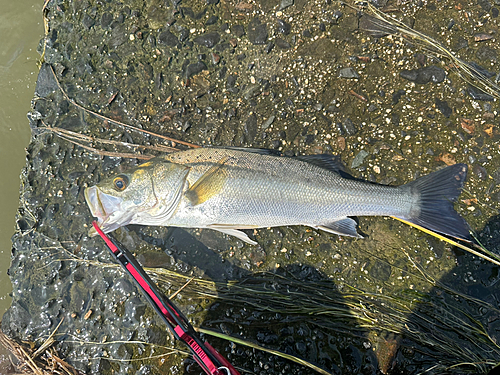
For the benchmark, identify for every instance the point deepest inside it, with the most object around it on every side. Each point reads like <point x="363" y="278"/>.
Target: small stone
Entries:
<point x="478" y="94"/>
<point x="349" y="127"/>
<point x="359" y="158"/>
<point x="284" y="27"/>
<point x="285" y="4"/>
<point x="213" y="19"/>
<point x="269" y="47"/>
<point x="397" y="95"/>
<point x="480" y="172"/>
<point x="424" y="75"/>
<point x="251" y="127"/>
<point x="106" y="20"/>
<point x="283" y="44"/>
<point x="168" y="38"/>
<point x="88" y="21"/>
<point x="443" y="107"/>
<point x="257" y="32"/>
<point x="348" y="73"/>
<point x="208" y="40"/>
<point x="193" y="69"/>
<point x="268" y="122"/>
<point x="238" y="30"/>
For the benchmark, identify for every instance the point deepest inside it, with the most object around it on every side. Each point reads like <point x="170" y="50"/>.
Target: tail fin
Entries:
<point x="437" y="192"/>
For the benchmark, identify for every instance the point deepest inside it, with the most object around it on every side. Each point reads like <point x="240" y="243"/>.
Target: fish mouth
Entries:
<point x="106" y="208"/>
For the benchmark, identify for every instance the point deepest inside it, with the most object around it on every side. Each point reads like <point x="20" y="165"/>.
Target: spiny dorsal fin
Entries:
<point x="209" y="184"/>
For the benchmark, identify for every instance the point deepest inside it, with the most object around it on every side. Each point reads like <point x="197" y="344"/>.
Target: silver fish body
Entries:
<point x="229" y="189"/>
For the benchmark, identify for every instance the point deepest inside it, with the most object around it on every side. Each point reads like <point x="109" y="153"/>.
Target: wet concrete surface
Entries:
<point x="301" y="79"/>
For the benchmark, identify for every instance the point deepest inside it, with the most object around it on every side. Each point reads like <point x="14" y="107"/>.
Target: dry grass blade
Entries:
<point x="118" y="122"/>
<point x="41" y="362"/>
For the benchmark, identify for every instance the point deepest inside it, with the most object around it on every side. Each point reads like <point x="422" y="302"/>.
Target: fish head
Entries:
<point x="137" y="196"/>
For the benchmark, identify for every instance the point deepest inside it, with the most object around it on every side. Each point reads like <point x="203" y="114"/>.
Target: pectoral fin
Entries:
<point x="342" y="227"/>
<point x="233" y="231"/>
<point x="208" y="185"/>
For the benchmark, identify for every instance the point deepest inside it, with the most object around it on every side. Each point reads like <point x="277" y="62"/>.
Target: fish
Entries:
<point x="232" y="189"/>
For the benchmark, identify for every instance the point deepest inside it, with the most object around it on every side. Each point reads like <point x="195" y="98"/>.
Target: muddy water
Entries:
<point x="21" y="28"/>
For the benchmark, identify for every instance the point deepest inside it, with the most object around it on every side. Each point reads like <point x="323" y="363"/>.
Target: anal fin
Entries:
<point x="233" y="231"/>
<point x="342" y="227"/>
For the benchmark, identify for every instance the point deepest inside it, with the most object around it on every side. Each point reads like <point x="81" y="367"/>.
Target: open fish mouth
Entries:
<point x="106" y="208"/>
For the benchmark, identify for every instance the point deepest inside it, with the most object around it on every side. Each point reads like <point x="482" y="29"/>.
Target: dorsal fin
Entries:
<point x="325" y="161"/>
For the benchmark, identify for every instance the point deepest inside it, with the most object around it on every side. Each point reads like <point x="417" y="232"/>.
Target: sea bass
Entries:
<point x="232" y="189"/>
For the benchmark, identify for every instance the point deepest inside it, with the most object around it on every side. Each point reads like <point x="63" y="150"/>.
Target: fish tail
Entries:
<point x="437" y="192"/>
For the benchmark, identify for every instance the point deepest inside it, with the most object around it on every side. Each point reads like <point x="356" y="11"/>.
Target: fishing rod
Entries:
<point x="211" y="361"/>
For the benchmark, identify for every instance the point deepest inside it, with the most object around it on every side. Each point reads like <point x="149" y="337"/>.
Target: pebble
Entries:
<point x="285" y="4"/>
<point x="283" y="44"/>
<point x="257" y="32"/>
<point x="193" y="69"/>
<point x="213" y="19"/>
<point x="251" y="127"/>
<point x="480" y="172"/>
<point x="443" y="107"/>
<point x="208" y="40"/>
<point x="268" y="122"/>
<point x="106" y="20"/>
<point x="478" y="94"/>
<point x="348" y="127"/>
<point x="238" y="30"/>
<point x="424" y="75"/>
<point x="348" y="73"/>
<point x="358" y="159"/>
<point x="88" y="21"/>
<point x="397" y="95"/>
<point x="168" y="38"/>
<point x="284" y="27"/>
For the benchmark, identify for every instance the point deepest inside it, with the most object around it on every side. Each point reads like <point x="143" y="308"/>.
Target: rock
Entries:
<point x="15" y="320"/>
<point x="213" y="19"/>
<point x="359" y="158"/>
<point x="486" y="54"/>
<point x="283" y="44"/>
<point x="193" y="69"/>
<point x="45" y="83"/>
<point x="479" y="70"/>
<point x="348" y="73"/>
<point x="285" y="4"/>
<point x="208" y="40"/>
<point x="284" y="27"/>
<point x="168" y="38"/>
<point x="478" y="94"/>
<point x="257" y="31"/>
<point x="118" y="36"/>
<point x="443" y="107"/>
<point x="106" y="20"/>
<point x="397" y="95"/>
<point x="348" y="127"/>
<point x="251" y="128"/>
<point x="238" y="30"/>
<point x="88" y="21"/>
<point x="268" y="122"/>
<point x="424" y="75"/>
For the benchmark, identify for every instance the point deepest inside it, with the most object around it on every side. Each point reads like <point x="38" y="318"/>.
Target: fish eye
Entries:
<point x="120" y="182"/>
